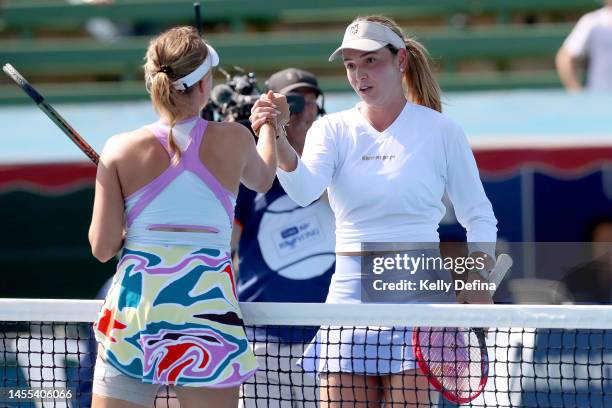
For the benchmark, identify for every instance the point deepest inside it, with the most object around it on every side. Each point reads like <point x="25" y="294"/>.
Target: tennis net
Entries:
<point x="539" y="356"/>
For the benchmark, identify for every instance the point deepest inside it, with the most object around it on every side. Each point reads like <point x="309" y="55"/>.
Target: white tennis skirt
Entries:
<point x="371" y="350"/>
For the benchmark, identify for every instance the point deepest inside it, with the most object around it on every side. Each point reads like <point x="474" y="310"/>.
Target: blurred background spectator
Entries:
<point x="592" y="282"/>
<point x="588" y="45"/>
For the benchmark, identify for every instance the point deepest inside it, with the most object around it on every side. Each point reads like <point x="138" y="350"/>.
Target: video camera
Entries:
<point x="233" y="100"/>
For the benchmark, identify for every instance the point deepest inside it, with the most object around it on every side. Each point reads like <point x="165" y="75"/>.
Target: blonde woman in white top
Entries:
<point x="386" y="164"/>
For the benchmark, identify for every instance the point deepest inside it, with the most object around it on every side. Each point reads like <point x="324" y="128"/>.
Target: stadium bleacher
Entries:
<point x="31" y="15"/>
<point x="46" y="41"/>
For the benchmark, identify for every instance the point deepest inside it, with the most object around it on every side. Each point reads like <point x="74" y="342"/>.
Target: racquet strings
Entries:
<point x="455" y="359"/>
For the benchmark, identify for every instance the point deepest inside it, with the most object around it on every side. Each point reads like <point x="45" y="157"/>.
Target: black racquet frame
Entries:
<point x="51" y="113"/>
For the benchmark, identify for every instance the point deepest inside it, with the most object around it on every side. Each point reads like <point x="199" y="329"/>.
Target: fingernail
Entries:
<point x="278" y="112"/>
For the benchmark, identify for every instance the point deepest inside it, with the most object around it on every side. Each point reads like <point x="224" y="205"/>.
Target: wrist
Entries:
<point x="272" y="125"/>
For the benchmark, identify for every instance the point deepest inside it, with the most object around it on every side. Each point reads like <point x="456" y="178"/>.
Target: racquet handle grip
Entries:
<point x="503" y="264"/>
<point x="23" y="84"/>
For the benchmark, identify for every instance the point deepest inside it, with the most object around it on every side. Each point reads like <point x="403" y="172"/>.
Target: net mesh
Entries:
<point x="538" y="356"/>
<point x="456" y="359"/>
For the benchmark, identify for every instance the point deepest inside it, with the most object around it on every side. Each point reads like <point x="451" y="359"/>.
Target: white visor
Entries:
<point x="211" y="60"/>
<point x="368" y="36"/>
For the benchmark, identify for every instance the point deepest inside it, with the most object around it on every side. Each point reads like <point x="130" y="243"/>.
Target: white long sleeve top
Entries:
<point x="388" y="186"/>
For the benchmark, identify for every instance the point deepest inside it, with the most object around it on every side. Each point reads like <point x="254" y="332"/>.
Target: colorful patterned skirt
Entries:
<point x="172" y="317"/>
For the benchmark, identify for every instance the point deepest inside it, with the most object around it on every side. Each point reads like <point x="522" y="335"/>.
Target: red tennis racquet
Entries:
<point x="455" y="360"/>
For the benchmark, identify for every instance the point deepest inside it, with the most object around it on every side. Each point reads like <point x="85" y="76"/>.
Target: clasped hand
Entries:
<point x="270" y="107"/>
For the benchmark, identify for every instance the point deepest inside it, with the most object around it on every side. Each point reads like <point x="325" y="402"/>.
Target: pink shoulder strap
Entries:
<point x="193" y="163"/>
<point x="190" y="160"/>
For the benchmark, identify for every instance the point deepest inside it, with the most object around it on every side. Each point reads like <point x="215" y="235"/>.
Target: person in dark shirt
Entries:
<point x="285" y="254"/>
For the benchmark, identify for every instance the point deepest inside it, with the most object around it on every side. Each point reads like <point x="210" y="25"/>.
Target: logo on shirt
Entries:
<point x="289" y="232"/>
<point x="296" y="243"/>
<point x="378" y="157"/>
<point x="299" y="236"/>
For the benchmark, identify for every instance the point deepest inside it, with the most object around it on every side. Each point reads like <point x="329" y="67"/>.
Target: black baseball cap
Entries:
<point x="291" y="79"/>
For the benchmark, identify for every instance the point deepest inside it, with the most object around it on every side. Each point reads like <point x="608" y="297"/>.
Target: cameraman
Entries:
<point x="285" y="254"/>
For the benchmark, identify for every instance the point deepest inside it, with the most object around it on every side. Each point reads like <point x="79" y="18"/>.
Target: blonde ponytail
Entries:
<point x="423" y="87"/>
<point x="174" y="149"/>
<point x="172" y="55"/>
<point x="160" y="89"/>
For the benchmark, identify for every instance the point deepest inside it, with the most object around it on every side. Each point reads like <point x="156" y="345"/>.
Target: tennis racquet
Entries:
<point x="51" y="113"/>
<point x="198" y="16"/>
<point x="455" y="360"/>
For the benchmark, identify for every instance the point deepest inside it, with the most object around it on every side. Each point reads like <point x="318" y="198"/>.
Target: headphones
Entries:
<point x="296" y="103"/>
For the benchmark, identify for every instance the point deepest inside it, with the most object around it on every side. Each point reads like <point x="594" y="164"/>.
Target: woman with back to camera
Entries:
<point x="386" y="164"/>
<point x="171" y="316"/>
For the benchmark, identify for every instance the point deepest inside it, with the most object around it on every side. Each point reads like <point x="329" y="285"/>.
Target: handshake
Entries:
<point x="271" y="109"/>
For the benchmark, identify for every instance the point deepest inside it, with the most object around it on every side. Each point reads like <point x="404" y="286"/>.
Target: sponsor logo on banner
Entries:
<point x="298" y="237"/>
